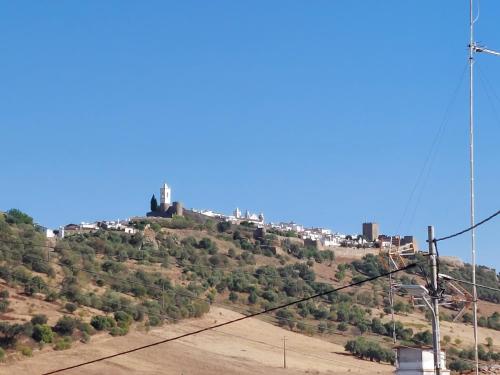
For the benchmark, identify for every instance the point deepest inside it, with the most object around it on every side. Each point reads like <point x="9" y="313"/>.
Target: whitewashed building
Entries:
<point x="418" y="361"/>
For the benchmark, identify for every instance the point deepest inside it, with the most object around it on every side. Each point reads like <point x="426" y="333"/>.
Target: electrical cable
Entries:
<point x="432" y="150"/>
<point x="446" y="277"/>
<point x="266" y="311"/>
<point x="468" y="229"/>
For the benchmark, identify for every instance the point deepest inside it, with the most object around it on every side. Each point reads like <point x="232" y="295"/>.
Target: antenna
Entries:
<point x="473" y="48"/>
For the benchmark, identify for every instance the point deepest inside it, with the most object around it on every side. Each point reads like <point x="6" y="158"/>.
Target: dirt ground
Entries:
<point x="247" y="347"/>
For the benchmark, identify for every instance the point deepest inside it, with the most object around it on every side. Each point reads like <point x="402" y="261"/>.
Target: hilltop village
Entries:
<point x="369" y="237"/>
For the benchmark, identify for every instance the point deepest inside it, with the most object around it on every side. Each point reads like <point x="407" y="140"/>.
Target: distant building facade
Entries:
<point x="370" y="231"/>
<point x="418" y="361"/>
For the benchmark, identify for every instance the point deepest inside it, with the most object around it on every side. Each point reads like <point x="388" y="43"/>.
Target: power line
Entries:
<point x="429" y="160"/>
<point x="447" y="277"/>
<point x="231" y="321"/>
<point x="468" y="229"/>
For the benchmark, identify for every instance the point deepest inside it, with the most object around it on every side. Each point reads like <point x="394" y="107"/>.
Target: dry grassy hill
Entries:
<point x="104" y="291"/>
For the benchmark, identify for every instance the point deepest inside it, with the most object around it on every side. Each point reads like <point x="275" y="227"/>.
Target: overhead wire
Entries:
<point x="432" y="150"/>
<point x="492" y="216"/>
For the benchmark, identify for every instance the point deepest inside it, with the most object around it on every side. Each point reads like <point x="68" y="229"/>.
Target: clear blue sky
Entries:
<point x="322" y="112"/>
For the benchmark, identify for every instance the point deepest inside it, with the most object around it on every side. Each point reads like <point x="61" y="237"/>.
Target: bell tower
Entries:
<point x="165" y="197"/>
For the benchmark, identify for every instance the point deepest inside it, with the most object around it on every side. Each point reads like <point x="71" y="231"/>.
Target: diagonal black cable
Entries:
<point x="231" y="321"/>
<point x="468" y="229"/>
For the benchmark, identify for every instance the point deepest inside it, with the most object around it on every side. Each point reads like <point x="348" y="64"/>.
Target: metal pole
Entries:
<point x="163" y="296"/>
<point x="472" y="198"/>
<point x="391" y="294"/>
<point x="284" y="351"/>
<point x="436" y="344"/>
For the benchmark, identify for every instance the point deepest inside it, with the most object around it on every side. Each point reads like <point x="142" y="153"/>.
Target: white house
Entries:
<point x="418" y="361"/>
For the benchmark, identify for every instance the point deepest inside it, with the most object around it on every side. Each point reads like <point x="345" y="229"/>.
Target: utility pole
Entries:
<point x="436" y="337"/>
<point x="284" y="351"/>
<point x="391" y="293"/>
<point x="163" y="296"/>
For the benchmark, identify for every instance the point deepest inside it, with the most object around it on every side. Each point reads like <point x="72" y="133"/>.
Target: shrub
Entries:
<point x="2" y="354"/>
<point x="42" y="333"/>
<point x="460" y="365"/>
<point x="154" y="321"/>
<point x="39" y="319"/>
<point x="63" y="343"/>
<point x="70" y="307"/>
<point x="51" y="296"/>
<point x="65" y="326"/>
<point x="100" y="322"/>
<point x="369" y="350"/>
<point x="252" y="298"/>
<point x="35" y="285"/>
<point x="223" y="226"/>
<point x="118" y="331"/>
<point x="342" y="327"/>
<point x="26" y="351"/>
<point x="489" y="342"/>
<point x="9" y="333"/>
<point x="4" y="305"/>
<point x="423" y="338"/>
<point x="123" y="319"/>
<point x="233" y="297"/>
<point x="85" y="328"/>
<point x="15" y="216"/>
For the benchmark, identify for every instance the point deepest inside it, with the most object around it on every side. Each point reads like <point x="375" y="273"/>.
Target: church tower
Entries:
<point x="165" y="197"/>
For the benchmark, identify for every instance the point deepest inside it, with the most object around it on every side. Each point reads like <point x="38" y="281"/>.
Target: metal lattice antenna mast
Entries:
<point x="472" y="200"/>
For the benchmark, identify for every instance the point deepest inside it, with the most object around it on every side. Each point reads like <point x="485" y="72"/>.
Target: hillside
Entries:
<point x="81" y="293"/>
<point x="253" y="347"/>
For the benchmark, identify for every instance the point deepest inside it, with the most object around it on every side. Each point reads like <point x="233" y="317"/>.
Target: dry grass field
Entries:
<point x="248" y="347"/>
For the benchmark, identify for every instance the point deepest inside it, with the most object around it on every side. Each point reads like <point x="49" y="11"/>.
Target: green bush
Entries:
<point x="4" y="305"/>
<point x="122" y="319"/>
<point x="42" y="333"/>
<point x="63" y="343"/>
<point x="39" y="319"/>
<point x="15" y="216"/>
<point x="233" y="297"/>
<point x="2" y="354"/>
<point x="154" y="321"/>
<point x="100" y="322"/>
<point x="118" y="331"/>
<point x="65" y="326"/>
<point x="26" y="351"/>
<point x="85" y="328"/>
<point x="460" y="365"/>
<point x="342" y="327"/>
<point x="70" y="307"/>
<point x="223" y="226"/>
<point x="362" y="348"/>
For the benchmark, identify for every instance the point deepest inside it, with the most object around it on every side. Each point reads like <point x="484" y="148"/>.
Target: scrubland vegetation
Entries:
<point x="159" y="276"/>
